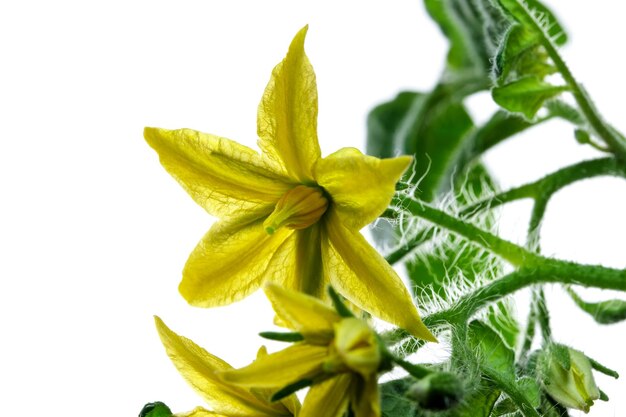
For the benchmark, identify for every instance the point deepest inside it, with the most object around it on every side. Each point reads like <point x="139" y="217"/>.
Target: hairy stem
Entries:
<point x="611" y="137"/>
<point x="512" y="253"/>
<point x="542" y="188"/>
<point x="550" y="184"/>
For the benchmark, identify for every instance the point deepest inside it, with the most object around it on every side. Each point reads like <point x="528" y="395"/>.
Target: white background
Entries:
<point x="94" y="233"/>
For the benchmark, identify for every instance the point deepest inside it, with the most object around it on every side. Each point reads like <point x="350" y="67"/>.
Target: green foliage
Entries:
<point x="479" y="403"/>
<point x="492" y="352"/>
<point x="604" y="312"/>
<point x="471" y="27"/>
<point x="429" y="126"/>
<point x="525" y="95"/>
<point x="394" y="401"/>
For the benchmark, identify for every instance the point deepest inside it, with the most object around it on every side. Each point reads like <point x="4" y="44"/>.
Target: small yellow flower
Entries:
<point x="201" y="369"/>
<point x="287" y="215"/>
<point x="339" y="356"/>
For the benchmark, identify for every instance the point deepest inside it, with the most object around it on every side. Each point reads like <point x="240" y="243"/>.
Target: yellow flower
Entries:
<point x="201" y="369"/>
<point x="339" y="356"/>
<point x="287" y="215"/>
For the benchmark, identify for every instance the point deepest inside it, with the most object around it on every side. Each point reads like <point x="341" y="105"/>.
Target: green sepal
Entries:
<point x="561" y="354"/>
<point x="525" y="95"/>
<point x="603" y="396"/>
<point x="282" y="336"/>
<point x="155" y="409"/>
<point x="338" y="303"/>
<point x="290" y="389"/>
<point x="602" y="369"/>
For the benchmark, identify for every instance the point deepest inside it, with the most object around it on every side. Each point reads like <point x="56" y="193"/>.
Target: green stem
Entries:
<point x="510" y="388"/>
<point x="529" y="334"/>
<point x="550" y="184"/>
<point x="543" y="315"/>
<point x="400" y="252"/>
<point x="544" y="187"/>
<point x="547" y="271"/>
<point x="611" y="137"/>
<point x="512" y="253"/>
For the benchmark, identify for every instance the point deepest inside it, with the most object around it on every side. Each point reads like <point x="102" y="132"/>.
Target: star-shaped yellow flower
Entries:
<point x="201" y="370"/>
<point x="339" y="356"/>
<point x="287" y="215"/>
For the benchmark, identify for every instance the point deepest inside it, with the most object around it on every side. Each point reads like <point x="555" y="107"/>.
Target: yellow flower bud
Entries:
<point x="298" y="208"/>
<point x="357" y="346"/>
<point x="573" y="387"/>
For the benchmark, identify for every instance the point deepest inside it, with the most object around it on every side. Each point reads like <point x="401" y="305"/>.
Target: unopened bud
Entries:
<point x="574" y="387"/>
<point x="437" y="391"/>
<point x="357" y="346"/>
<point x="155" y="409"/>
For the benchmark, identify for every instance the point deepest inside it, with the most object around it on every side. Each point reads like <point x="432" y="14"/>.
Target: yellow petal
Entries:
<point x="366" y="398"/>
<point x="329" y="398"/>
<point x="230" y="261"/>
<point x="302" y="313"/>
<point x="290" y="403"/>
<point x="287" y="116"/>
<point x="220" y="175"/>
<point x="301" y="267"/>
<point x="277" y="370"/>
<point x="360" y="186"/>
<point x="363" y="276"/>
<point x="199" y="412"/>
<point x="200" y="369"/>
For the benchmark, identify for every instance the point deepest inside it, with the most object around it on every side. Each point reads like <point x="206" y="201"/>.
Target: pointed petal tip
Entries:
<point x="420" y="331"/>
<point x="395" y="167"/>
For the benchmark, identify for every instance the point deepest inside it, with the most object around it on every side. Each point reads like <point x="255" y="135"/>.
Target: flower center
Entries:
<point x="357" y="346"/>
<point x="298" y="208"/>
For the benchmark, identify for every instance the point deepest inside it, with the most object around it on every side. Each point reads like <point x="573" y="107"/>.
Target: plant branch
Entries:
<point x="611" y="137"/>
<point x="543" y="188"/>
<point x="512" y="253"/>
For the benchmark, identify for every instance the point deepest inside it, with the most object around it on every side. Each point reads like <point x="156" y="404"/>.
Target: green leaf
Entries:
<point x="393" y="402"/>
<point x="471" y="27"/>
<point x="559" y="108"/>
<point x="432" y="270"/>
<point x="530" y="389"/>
<point x="479" y="403"/>
<point x="526" y="95"/>
<point x="603" y="312"/>
<point x="492" y="351"/>
<point x="431" y="127"/>
<point x="535" y="16"/>
<point x="383" y="123"/>
<point x="504" y="407"/>
<point x="503" y="321"/>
